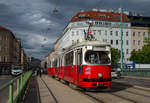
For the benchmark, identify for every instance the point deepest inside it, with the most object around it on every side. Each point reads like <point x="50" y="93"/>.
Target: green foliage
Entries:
<point x="143" y="55"/>
<point x="115" y="56"/>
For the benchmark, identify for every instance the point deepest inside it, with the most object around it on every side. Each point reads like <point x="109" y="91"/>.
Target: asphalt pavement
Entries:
<point x="139" y="81"/>
<point x="4" y="93"/>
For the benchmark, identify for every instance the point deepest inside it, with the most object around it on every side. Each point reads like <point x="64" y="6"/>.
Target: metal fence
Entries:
<point x="17" y="87"/>
<point x="143" y="72"/>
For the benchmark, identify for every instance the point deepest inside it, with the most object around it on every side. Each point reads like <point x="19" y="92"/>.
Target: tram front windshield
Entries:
<point x="97" y="57"/>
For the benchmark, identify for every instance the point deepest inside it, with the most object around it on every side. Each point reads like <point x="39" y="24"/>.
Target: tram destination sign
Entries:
<point x="98" y="48"/>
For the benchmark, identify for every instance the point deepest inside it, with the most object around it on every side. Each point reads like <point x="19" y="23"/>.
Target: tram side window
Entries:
<point x="55" y="63"/>
<point x="69" y="58"/>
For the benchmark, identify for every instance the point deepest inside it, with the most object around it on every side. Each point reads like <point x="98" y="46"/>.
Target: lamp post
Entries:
<point x="121" y="65"/>
<point x="89" y="36"/>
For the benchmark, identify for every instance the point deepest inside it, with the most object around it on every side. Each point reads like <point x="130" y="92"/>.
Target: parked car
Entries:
<point x="115" y="74"/>
<point x="16" y="70"/>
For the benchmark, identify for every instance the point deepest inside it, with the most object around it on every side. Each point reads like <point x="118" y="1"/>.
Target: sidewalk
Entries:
<point x="45" y="95"/>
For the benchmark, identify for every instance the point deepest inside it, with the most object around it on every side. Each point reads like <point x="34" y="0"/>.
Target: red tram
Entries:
<point x="87" y="65"/>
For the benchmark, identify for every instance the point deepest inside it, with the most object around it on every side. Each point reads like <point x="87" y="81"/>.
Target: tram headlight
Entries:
<point x="100" y="75"/>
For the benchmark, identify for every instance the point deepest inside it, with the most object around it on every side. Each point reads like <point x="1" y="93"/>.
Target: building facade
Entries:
<point x="138" y="34"/>
<point x="104" y="26"/>
<point x="9" y="50"/>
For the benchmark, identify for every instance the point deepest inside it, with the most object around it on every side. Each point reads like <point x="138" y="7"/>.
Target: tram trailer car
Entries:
<point x="86" y="65"/>
<point x="51" y="62"/>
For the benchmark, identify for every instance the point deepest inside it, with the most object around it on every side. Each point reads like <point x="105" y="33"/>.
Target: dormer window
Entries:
<point x="82" y="15"/>
<point x="103" y="16"/>
<point x="117" y="16"/>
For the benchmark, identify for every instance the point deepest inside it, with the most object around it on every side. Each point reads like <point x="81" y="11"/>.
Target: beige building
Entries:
<point x="137" y="37"/>
<point x="10" y="50"/>
<point x="23" y="59"/>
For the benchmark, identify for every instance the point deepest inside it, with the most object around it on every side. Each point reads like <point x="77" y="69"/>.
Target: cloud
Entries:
<point x="38" y="26"/>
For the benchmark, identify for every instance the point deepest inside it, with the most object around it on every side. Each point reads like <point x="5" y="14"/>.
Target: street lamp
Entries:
<point x="89" y="35"/>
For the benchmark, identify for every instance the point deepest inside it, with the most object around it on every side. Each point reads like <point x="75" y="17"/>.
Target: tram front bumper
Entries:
<point x="96" y="83"/>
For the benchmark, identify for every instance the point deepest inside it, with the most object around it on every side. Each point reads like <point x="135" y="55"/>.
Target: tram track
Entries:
<point x="50" y="91"/>
<point x="129" y="91"/>
<point x="117" y="94"/>
<point x="124" y="98"/>
<point x="96" y="99"/>
<point x="139" y="92"/>
<point x="142" y="89"/>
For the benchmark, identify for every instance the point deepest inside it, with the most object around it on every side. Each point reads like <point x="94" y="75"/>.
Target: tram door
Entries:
<point x="78" y="62"/>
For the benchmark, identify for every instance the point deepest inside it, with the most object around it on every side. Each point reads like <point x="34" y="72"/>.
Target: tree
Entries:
<point x="115" y="56"/>
<point x="143" y="55"/>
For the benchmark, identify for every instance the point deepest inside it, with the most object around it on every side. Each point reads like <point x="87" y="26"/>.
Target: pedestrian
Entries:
<point x="118" y="71"/>
<point x="40" y="71"/>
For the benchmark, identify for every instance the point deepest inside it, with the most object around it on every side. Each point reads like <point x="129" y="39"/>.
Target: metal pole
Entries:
<point x="18" y="86"/>
<point x="11" y="92"/>
<point x="121" y="65"/>
<point x="21" y="81"/>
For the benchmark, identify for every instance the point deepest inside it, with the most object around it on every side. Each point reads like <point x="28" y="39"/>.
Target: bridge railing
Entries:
<point x="143" y="72"/>
<point x="16" y="88"/>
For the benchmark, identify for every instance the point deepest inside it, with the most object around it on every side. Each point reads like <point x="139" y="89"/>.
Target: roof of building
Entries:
<point x="3" y="28"/>
<point x="99" y="15"/>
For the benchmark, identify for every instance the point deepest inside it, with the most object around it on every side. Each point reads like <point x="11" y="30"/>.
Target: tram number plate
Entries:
<point x="100" y="84"/>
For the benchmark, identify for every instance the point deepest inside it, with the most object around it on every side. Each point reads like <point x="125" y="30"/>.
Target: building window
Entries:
<point x="105" y="32"/>
<point x="127" y="42"/>
<point x="126" y="33"/>
<point x="139" y="34"/>
<point x="94" y="32"/>
<point x="111" y="42"/>
<point x="5" y="49"/>
<point x="5" y="37"/>
<point x="5" y="58"/>
<point x="116" y="33"/>
<point x="105" y="40"/>
<point x="139" y="42"/>
<point x="133" y="33"/>
<point x="117" y="16"/>
<point x="99" y="32"/>
<point x="72" y="33"/>
<point x="116" y="42"/>
<point x="0" y="37"/>
<point x="144" y="34"/>
<point x="102" y="16"/>
<point x="82" y="15"/>
<point x="127" y="51"/>
<point x="0" y="59"/>
<point x="111" y="32"/>
<point x="134" y="42"/>
<point x="77" y="32"/>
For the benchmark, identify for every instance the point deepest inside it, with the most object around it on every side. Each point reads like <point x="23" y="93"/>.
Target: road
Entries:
<point x="4" y="79"/>
<point x="5" y="92"/>
<point x="122" y="91"/>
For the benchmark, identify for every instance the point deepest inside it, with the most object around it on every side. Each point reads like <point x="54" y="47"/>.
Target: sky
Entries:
<point x="39" y="27"/>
